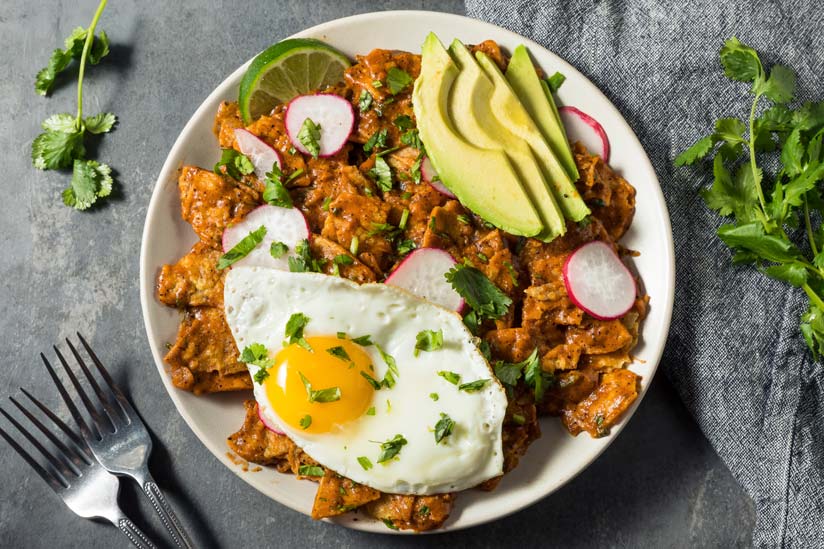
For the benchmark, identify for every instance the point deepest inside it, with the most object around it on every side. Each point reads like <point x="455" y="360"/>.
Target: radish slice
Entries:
<point x="598" y="282"/>
<point x="582" y="127"/>
<point x="258" y="151"/>
<point x="332" y="113"/>
<point x="421" y="274"/>
<point x="263" y="421"/>
<point x="431" y="176"/>
<point x="285" y="225"/>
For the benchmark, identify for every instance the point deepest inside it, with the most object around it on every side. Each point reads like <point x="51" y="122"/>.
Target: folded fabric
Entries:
<point x="734" y="353"/>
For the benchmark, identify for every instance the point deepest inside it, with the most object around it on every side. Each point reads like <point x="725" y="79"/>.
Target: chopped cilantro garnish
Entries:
<point x="473" y="386"/>
<point x="377" y="84"/>
<point x="518" y="419"/>
<point x="258" y="355"/>
<point x="305" y="422"/>
<point x="403" y="122"/>
<point x="428" y="340"/>
<point x="275" y="193"/>
<point x="292" y="150"/>
<point x="309" y="135"/>
<point x="451" y="377"/>
<point x="392" y="374"/>
<point x="370" y="411"/>
<point x="404" y="219"/>
<point x="434" y="396"/>
<point x="554" y="82"/>
<point x="443" y="428"/>
<point x="483" y="257"/>
<point x="242" y="248"/>
<point x="383" y="228"/>
<point x="424" y="511"/>
<point x="404" y="247"/>
<point x="397" y="79"/>
<point x="463" y="218"/>
<point x="365" y="462"/>
<point x="535" y="377"/>
<point x="330" y="394"/>
<point x="382" y="174"/>
<point x="326" y="202"/>
<point x="372" y="381"/>
<point x="343" y="259"/>
<point x="365" y="101"/>
<point x="363" y="341"/>
<point x="339" y="352"/>
<point x="294" y="330"/>
<point x="512" y="273"/>
<point x="304" y="262"/>
<point x="391" y="448"/>
<point x="389" y="524"/>
<point x="482" y="296"/>
<point x="278" y="249"/>
<point x="233" y="164"/>
<point x="310" y="471"/>
<point x="412" y="139"/>
<point x="341" y="335"/>
<point x="377" y="139"/>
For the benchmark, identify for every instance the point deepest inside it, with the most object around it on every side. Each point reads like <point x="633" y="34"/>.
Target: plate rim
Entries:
<point x="147" y="273"/>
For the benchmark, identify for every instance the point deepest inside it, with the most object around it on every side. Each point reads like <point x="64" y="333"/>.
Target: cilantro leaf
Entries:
<point x="554" y="82"/>
<point x="305" y="422"/>
<point x="365" y="101"/>
<point x="696" y="151"/>
<point x="397" y="79"/>
<point x="278" y="249"/>
<point x="60" y="59"/>
<point x="310" y="471"/>
<point x="392" y="368"/>
<point x="382" y="174"/>
<point x="294" y="330"/>
<point x="339" y="352"/>
<point x="391" y="448"/>
<point x="444" y="428"/>
<point x="365" y="462"/>
<point x="452" y="377"/>
<point x="100" y="123"/>
<point x="53" y="150"/>
<point x="535" y="377"/>
<point x="403" y="122"/>
<point x="44" y="81"/>
<point x="323" y="396"/>
<point x="780" y="86"/>
<point x="274" y="192"/>
<point x="63" y="122"/>
<point x="478" y="291"/>
<point x="377" y="139"/>
<point x="90" y="180"/>
<point x="363" y="341"/>
<point x="751" y="236"/>
<point x="233" y="164"/>
<point x="428" y="340"/>
<point x="740" y="61"/>
<point x="304" y="262"/>
<point x="257" y="355"/>
<point x="727" y="196"/>
<point x="791" y="273"/>
<point x="242" y="248"/>
<point x="473" y="386"/>
<point x="309" y="135"/>
<point x="509" y="373"/>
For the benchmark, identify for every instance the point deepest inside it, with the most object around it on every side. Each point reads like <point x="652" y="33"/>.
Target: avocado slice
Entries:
<point x="483" y="180"/>
<point x="537" y="99"/>
<point x="509" y="111"/>
<point x="473" y="118"/>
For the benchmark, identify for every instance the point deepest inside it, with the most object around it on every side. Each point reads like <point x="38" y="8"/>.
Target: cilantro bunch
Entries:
<point x="769" y="208"/>
<point x="61" y="145"/>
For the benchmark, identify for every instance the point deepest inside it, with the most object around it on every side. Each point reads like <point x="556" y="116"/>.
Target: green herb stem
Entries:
<point x="751" y="144"/>
<point x="86" y="47"/>
<point x="814" y="298"/>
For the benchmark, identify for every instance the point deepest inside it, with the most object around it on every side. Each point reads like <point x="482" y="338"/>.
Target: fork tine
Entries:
<point x="97" y="418"/>
<point x="58" y="469"/>
<point x="105" y="399"/>
<point x="66" y="451"/>
<point x="125" y="405"/>
<point x="78" y="418"/>
<point x="47" y="476"/>
<point x="73" y="436"/>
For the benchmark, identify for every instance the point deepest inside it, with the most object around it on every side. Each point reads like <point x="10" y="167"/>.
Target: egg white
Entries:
<point x="258" y="303"/>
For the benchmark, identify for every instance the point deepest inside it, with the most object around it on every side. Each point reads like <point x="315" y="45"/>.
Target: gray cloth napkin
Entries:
<point x="734" y="352"/>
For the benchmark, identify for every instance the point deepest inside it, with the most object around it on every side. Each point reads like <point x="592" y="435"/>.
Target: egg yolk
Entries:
<point x="300" y="376"/>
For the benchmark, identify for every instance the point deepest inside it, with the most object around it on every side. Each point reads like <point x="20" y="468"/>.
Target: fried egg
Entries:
<point x="336" y="368"/>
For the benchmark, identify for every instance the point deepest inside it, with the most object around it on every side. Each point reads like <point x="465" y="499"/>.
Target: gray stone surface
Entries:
<point x="658" y="485"/>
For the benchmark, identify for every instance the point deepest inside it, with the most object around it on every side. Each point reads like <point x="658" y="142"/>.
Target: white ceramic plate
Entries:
<point x="556" y="457"/>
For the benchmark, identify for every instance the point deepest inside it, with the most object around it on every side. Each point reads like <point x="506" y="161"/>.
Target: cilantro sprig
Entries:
<point x="765" y="206"/>
<point x="62" y="143"/>
<point x="484" y="298"/>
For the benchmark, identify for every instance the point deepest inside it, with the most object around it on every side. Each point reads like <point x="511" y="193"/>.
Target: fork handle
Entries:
<point x="167" y="515"/>
<point x="135" y="535"/>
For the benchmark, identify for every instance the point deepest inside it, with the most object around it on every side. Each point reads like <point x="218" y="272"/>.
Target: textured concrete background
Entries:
<point x="658" y="485"/>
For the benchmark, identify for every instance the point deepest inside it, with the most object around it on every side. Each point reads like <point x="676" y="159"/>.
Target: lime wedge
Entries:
<point x="285" y="70"/>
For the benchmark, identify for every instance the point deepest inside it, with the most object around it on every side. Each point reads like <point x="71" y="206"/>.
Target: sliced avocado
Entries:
<point x="512" y="114"/>
<point x="483" y="180"/>
<point x="473" y="118"/>
<point x="524" y="80"/>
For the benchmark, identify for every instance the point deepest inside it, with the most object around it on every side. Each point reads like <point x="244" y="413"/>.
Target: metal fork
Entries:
<point x="117" y="436"/>
<point x="85" y="486"/>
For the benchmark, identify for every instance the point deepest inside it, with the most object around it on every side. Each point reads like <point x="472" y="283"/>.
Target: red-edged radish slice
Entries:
<point x="421" y="274"/>
<point x="263" y="421"/>
<point x="258" y="151"/>
<point x="332" y="113"/>
<point x="582" y="127"/>
<point x="431" y="176"/>
<point x="285" y="225"/>
<point x="598" y="282"/>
